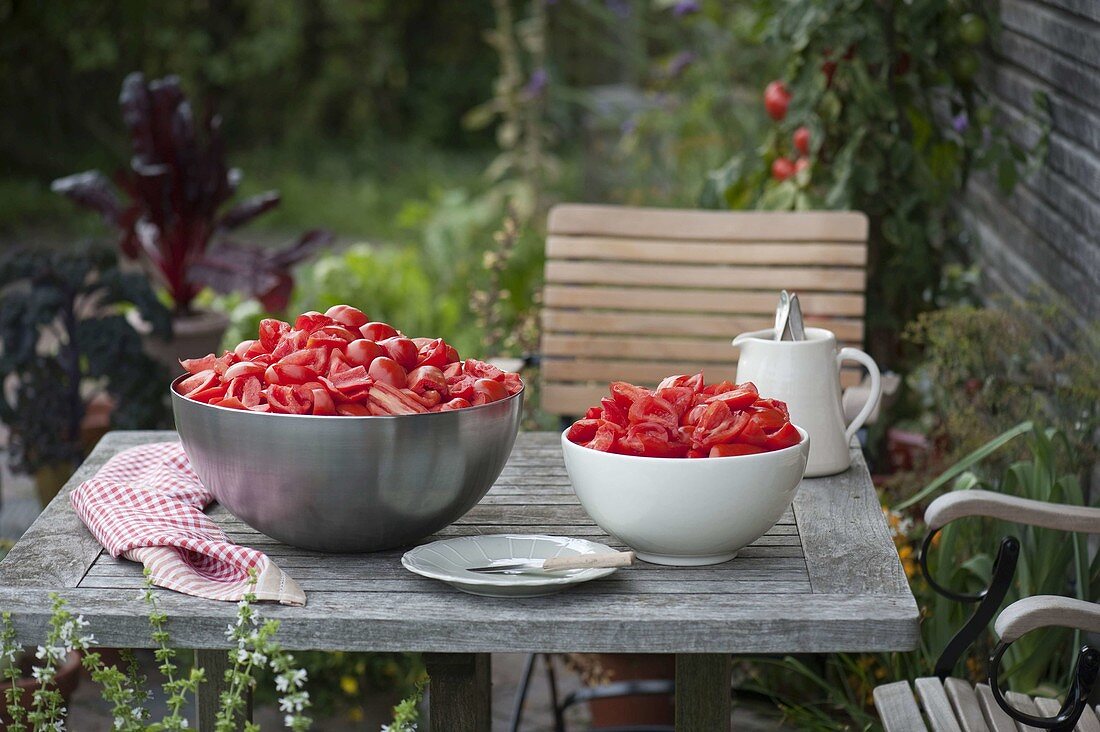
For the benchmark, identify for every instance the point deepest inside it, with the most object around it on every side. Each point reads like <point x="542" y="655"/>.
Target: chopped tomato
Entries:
<point x="787" y="436"/>
<point x="482" y="370"/>
<point x="361" y="352"/>
<point x="770" y="420"/>
<point x="246" y="389"/>
<point x="195" y="365"/>
<point x="425" y="378"/>
<point x="394" y="401"/>
<point x="385" y="370"/>
<point x="491" y="391"/>
<point x="606" y="437"/>
<point x="312" y="321"/>
<point x="355" y="377"/>
<point x="378" y="331"/>
<point x="432" y="353"/>
<point x="243" y="368"/>
<point x="271" y="332"/>
<point x="741" y="397"/>
<point x="685" y="417"/>
<point x="582" y="431"/>
<point x="512" y="382"/>
<point x="332" y="363"/>
<point x="612" y="412"/>
<point x="653" y="408"/>
<point x="347" y="316"/>
<point x="322" y="402"/>
<point x="680" y="397"/>
<point x="400" y="349"/>
<point x="626" y="394"/>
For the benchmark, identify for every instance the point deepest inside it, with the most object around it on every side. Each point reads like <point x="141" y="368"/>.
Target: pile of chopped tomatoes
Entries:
<point x="341" y="363"/>
<point x="684" y="417"/>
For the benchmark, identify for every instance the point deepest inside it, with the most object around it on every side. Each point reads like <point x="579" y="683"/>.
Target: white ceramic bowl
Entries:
<point x="686" y="512"/>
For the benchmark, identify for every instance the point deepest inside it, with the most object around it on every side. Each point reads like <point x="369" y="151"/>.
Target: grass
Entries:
<point x="378" y="195"/>
<point x="371" y="193"/>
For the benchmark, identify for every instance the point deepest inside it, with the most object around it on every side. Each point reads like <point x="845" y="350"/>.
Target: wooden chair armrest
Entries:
<point x="960" y="504"/>
<point x="1041" y="611"/>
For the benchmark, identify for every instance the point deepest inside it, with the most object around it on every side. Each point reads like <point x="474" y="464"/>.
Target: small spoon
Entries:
<point x="781" y="314"/>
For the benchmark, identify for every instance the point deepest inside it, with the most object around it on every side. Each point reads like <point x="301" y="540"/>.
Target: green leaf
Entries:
<point x="780" y="197"/>
<point x="972" y="459"/>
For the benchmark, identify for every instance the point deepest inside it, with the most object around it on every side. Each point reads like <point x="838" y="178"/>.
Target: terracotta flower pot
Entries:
<point x="48" y="480"/>
<point x="634" y="710"/>
<point x="192" y="336"/>
<point x="68" y="676"/>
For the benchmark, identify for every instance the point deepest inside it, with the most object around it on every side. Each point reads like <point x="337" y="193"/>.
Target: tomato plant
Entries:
<point x="892" y="125"/>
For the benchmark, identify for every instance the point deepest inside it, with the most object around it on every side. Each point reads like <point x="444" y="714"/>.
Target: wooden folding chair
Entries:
<point x="637" y="294"/>
<point x="947" y="704"/>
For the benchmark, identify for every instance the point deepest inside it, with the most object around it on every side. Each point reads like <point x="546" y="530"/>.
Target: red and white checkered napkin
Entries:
<point x="146" y="504"/>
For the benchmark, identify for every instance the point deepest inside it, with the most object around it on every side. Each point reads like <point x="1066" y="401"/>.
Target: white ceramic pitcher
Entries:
<point x="806" y="375"/>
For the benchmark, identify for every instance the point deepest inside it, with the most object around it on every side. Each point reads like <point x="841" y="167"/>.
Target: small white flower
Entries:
<point x="242" y="655"/>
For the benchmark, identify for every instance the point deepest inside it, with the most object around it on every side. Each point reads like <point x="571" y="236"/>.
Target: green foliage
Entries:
<point x="255" y="649"/>
<point x="834" y="693"/>
<point x="897" y="126"/>
<point x="407" y="712"/>
<point x="700" y="100"/>
<point x="340" y="680"/>
<point x="65" y="337"/>
<point x="281" y="71"/>
<point x="1050" y="563"/>
<point x="985" y="369"/>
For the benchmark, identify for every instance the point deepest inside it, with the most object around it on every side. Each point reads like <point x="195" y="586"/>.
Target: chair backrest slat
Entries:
<point x="640" y="293"/>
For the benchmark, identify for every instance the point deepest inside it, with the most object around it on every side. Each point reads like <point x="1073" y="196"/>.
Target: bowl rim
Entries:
<point x="568" y="444"/>
<point x="342" y="417"/>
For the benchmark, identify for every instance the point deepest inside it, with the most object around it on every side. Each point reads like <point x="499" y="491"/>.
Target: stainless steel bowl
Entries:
<point x="347" y="484"/>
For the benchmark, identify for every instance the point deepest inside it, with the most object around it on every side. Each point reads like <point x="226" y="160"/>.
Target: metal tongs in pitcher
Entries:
<point x="788" y="318"/>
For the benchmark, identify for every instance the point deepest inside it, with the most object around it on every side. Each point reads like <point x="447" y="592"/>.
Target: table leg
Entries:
<point x="459" y="692"/>
<point x="703" y="691"/>
<point x="208" y="699"/>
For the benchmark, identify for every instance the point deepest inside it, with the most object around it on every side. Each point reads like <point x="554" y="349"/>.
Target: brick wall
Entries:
<point x="1047" y="233"/>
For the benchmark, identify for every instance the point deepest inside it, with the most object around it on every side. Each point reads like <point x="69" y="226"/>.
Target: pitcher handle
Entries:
<point x="854" y="354"/>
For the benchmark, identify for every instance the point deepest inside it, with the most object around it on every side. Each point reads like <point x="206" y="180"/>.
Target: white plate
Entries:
<point x="449" y="560"/>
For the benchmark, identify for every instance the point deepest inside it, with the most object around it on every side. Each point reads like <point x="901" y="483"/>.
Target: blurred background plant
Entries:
<point x="66" y="345"/>
<point x="877" y="109"/>
<point x="173" y="222"/>
<point x="834" y="692"/>
<point x="339" y="681"/>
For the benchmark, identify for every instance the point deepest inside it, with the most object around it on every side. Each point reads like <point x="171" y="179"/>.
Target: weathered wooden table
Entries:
<point x="826" y="578"/>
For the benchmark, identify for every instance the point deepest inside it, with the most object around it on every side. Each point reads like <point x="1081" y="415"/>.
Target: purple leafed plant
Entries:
<point x="175" y="218"/>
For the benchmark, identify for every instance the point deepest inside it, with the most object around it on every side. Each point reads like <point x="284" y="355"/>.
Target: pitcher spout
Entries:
<point x="768" y="334"/>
